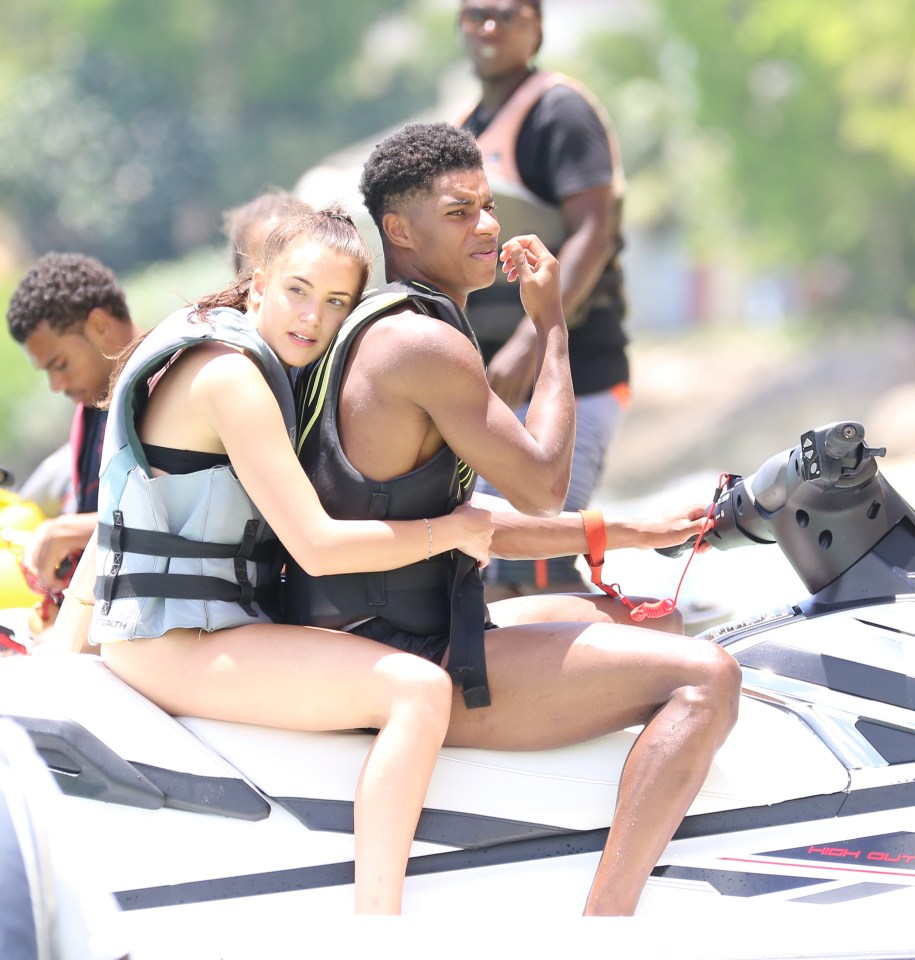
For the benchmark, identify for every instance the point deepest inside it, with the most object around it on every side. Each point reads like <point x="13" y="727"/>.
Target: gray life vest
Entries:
<point x="439" y="596"/>
<point x="496" y="309"/>
<point x="181" y="550"/>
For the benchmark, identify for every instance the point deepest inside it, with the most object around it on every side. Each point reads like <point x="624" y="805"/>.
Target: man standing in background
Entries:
<point x="554" y="166"/>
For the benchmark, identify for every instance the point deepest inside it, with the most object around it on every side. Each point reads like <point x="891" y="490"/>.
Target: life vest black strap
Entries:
<point x="375" y="582"/>
<point x="154" y="543"/>
<point x="104" y="586"/>
<point x="172" y="586"/>
<point x="467" y="654"/>
<point x="120" y="540"/>
<point x="245" y="552"/>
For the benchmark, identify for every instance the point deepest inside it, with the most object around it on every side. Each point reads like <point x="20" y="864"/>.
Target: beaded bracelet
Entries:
<point x="86" y="603"/>
<point x="429" y="531"/>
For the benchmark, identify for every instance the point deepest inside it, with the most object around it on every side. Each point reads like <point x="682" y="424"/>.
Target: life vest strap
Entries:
<point x="172" y="586"/>
<point x="155" y="543"/>
<point x="467" y="654"/>
<point x="120" y="540"/>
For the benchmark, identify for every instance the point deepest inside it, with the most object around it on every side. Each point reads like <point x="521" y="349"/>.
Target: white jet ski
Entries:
<point x="240" y="837"/>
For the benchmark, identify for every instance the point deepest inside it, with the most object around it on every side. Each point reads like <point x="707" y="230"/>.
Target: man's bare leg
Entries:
<point x="554" y="684"/>
<point x="577" y="608"/>
<point x="495" y="592"/>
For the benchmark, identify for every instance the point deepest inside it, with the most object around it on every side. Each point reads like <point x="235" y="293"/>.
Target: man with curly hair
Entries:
<point x="394" y="423"/>
<point x="70" y="314"/>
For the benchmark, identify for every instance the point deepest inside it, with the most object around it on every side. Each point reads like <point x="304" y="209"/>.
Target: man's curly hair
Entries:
<point x="405" y="164"/>
<point x="62" y="288"/>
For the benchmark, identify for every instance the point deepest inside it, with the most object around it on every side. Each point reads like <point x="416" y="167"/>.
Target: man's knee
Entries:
<point x="721" y="678"/>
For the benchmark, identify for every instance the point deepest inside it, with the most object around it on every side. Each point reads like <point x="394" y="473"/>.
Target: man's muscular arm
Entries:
<point x="441" y="373"/>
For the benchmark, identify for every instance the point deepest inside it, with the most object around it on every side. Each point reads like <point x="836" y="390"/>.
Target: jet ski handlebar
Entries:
<point x="824" y="502"/>
<point x="820" y="478"/>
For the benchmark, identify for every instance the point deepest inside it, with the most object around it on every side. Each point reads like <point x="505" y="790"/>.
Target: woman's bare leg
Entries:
<point x="302" y="678"/>
<point x="554" y="684"/>
<point x="395" y="777"/>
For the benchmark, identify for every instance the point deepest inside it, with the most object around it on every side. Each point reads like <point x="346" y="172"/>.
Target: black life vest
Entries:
<point x="443" y="595"/>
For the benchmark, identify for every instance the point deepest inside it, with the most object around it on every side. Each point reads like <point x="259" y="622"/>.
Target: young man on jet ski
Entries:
<point x="70" y="315"/>
<point x="398" y="419"/>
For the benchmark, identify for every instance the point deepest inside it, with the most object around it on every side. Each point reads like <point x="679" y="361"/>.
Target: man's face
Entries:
<point x="74" y="364"/>
<point x="454" y="233"/>
<point x="500" y="36"/>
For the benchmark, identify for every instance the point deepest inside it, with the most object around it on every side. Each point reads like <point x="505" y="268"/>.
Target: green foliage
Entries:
<point x="813" y="103"/>
<point x="127" y="126"/>
<point x="778" y="132"/>
<point x="120" y="171"/>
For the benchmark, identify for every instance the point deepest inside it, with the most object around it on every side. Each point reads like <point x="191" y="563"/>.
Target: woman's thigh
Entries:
<point x="300" y="678"/>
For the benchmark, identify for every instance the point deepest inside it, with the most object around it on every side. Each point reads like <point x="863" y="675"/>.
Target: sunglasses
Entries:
<point x="472" y="17"/>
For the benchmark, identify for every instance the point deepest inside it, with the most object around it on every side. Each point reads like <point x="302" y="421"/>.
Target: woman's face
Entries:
<point x="301" y="300"/>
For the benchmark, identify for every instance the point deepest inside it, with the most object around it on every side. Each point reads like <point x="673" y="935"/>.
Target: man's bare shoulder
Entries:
<point x="405" y="336"/>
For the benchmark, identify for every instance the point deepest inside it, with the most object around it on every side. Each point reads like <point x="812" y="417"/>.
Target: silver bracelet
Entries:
<point x="429" y="531"/>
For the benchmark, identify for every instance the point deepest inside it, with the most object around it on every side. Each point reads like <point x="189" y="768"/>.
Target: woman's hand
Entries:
<point x="470" y="528"/>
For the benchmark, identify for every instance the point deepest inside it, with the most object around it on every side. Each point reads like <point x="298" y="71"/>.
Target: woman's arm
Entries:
<point x="70" y="633"/>
<point x="236" y="400"/>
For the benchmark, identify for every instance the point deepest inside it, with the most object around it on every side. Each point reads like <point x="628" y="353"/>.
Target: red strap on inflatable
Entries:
<point x="7" y="642"/>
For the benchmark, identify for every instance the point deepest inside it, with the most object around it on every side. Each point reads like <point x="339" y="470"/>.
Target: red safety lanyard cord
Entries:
<point x="596" y="534"/>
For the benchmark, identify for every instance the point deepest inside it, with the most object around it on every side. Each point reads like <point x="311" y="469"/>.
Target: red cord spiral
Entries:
<point x="652" y="609"/>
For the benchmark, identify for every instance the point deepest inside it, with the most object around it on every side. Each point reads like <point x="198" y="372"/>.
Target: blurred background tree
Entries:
<point x="782" y="130"/>
<point x="128" y="126"/>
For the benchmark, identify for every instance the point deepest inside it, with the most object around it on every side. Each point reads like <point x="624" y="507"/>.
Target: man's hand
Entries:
<point x="512" y="370"/>
<point x="527" y="260"/>
<point x="53" y="542"/>
<point x="668" y="530"/>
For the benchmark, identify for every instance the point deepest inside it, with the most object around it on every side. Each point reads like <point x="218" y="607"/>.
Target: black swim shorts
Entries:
<point x="429" y="647"/>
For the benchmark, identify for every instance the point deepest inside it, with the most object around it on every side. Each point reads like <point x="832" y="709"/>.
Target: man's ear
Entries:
<point x="396" y="229"/>
<point x="98" y="327"/>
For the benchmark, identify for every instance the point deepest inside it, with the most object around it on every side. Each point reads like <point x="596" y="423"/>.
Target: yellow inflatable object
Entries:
<point x="18" y="518"/>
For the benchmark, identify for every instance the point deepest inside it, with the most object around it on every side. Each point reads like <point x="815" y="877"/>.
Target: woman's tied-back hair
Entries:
<point x="63" y="288"/>
<point x="330" y="227"/>
<point x="405" y="164"/>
